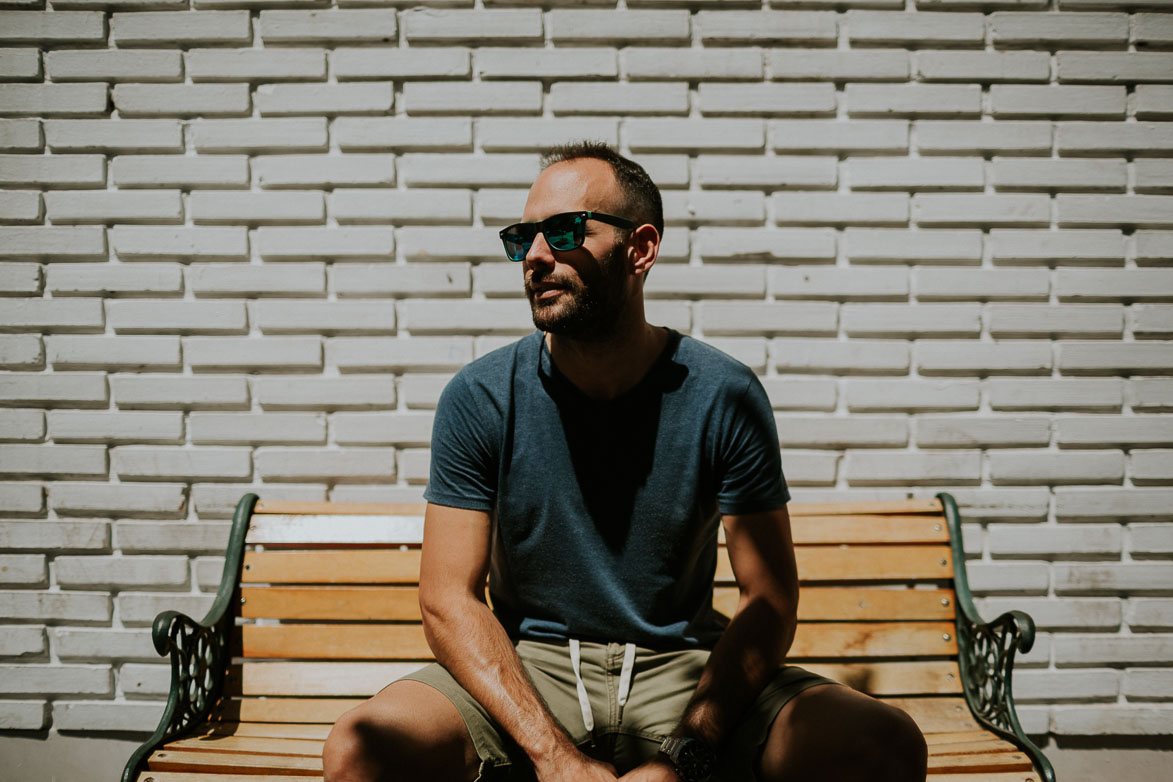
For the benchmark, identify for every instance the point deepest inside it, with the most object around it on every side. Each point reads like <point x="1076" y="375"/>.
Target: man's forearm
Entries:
<point x="468" y="640"/>
<point x="745" y="658"/>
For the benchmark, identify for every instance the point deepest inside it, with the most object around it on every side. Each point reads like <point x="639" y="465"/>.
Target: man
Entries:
<point x="584" y="470"/>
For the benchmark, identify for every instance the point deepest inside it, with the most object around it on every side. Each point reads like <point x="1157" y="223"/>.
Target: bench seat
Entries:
<point x="318" y="609"/>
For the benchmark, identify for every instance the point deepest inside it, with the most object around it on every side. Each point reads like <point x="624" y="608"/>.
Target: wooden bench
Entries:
<point x="317" y="610"/>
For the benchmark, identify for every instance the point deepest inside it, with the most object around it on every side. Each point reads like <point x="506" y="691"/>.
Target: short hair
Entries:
<point x="641" y="197"/>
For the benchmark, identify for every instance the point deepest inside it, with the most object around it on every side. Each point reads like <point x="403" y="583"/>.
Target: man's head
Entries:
<point x="588" y="290"/>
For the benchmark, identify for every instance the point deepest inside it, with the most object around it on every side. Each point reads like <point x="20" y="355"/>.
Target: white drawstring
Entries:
<point x="584" y="703"/>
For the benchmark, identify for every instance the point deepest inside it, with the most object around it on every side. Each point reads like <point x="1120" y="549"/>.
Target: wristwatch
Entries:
<point x="693" y="759"/>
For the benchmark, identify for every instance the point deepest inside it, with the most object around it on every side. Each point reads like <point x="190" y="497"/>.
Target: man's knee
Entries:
<point x="351" y="752"/>
<point x="900" y="747"/>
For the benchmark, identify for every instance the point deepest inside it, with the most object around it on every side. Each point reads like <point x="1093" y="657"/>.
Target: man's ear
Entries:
<point x="645" y="242"/>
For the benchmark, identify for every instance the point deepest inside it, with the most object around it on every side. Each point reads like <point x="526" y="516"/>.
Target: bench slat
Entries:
<point x="936" y="714"/>
<point x="309" y="748"/>
<point x="331" y="567"/>
<point x="862" y="563"/>
<point x="982" y="746"/>
<point x="272" y="730"/>
<point x="228" y="762"/>
<point x="992" y="761"/>
<point x="306" y="710"/>
<point x="818" y="640"/>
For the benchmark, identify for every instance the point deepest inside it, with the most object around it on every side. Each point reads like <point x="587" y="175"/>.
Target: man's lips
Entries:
<point x="545" y="289"/>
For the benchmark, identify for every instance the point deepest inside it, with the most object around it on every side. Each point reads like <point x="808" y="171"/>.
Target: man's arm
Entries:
<point x="761" y="550"/>
<point x="468" y="640"/>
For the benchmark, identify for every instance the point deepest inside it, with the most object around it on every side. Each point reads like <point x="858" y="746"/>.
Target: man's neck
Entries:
<point x="605" y="369"/>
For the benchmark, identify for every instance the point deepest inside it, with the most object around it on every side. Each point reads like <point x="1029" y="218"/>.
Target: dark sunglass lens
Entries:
<point x="565" y="232"/>
<point x="516" y="246"/>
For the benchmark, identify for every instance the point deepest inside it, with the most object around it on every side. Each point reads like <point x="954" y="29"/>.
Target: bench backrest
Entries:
<point x="329" y="608"/>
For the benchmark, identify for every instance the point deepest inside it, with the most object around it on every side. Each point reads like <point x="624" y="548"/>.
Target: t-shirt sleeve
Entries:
<point x="750" y="466"/>
<point x="463" y="472"/>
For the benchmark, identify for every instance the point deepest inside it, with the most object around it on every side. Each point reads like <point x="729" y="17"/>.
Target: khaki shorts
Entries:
<point x="661" y="685"/>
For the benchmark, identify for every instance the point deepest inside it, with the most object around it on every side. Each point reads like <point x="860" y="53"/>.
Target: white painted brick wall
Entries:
<point x="244" y="248"/>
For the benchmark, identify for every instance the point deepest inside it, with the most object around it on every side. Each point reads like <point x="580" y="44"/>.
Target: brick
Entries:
<point x="53" y="460"/>
<point x="160" y="463"/>
<point x="270" y="353"/>
<point x="215" y="501"/>
<point x="138" y="681"/>
<point x="1070" y="320"/>
<point x="373" y="25"/>
<point x="356" y="98"/>
<point x="607" y="98"/>
<point x="1153" y="247"/>
<point x="353" y="465"/>
<point x="432" y="243"/>
<point x="1037" y="541"/>
<point x="1054" y="468"/>
<point x="1153" y="176"/>
<point x="833" y="356"/>
<point x="140" y="242"/>
<point x="139" y="609"/>
<point x="44" y="27"/>
<point x="1094" y="138"/>
<point x="1112" y="210"/>
<point x="66" y="426"/>
<point x="1147" y="685"/>
<point x="422" y="316"/>
<point x="20" y="135"/>
<point x="51" y="607"/>
<point x="659" y="135"/>
<point x="113" y="65"/>
<point x="22" y="425"/>
<point x="169" y="28"/>
<point x="928" y="173"/>
<point x="1052" y="686"/>
<point x="718" y="317"/>
<point x="1069" y="247"/>
<point x="23" y="351"/>
<point x="260" y="135"/>
<point x="770" y="99"/>
<point x="105" y="644"/>
<point x="1009" y="578"/>
<point x="29" y="642"/>
<point x="980" y="209"/>
<point x="722" y="27"/>
<point x="684" y="207"/>
<point x="871" y="136"/>
<point x="114" y="279"/>
<point x="841" y="432"/>
<point x="17" y="279"/>
<point x="619" y="27"/>
<point x="82" y="572"/>
<point x="381" y="279"/>
<point x="872" y="27"/>
<point x="467" y="170"/>
<point x="766" y="172"/>
<point x="1151" y="394"/>
<point x="382" y="429"/>
<point x="20" y="65"/>
<point x="1054" y="174"/>
<point x="1154" y="101"/>
<point x="1149" y="613"/>
<point x="20" y="206"/>
<point x="983" y="66"/>
<point x="1113" y="285"/>
<point x="403" y="134"/>
<point x="104" y="206"/>
<point x="52" y="170"/>
<point x="841" y="208"/>
<point x="913" y="100"/>
<point x="252" y="428"/>
<point x="1114" y="67"/>
<point x="789" y="394"/>
<point x="911" y="395"/>
<point x="339" y="244"/>
<point x="204" y="65"/>
<point x="1082" y="651"/>
<point x="23" y="715"/>
<point x="182" y="100"/>
<point x="1152" y="31"/>
<point x="83" y="715"/>
<point x="53" y="315"/>
<point x="111" y="353"/>
<point x="1071" y="613"/>
<point x="391" y="63"/>
<point x="174" y="171"/>
<point x="641" y="64"/>
<point x="21" y="498"/>
<point x="358" y="354"/>
<point x="140" y="135"/>
<point x="1100" y="430"/>
<point x="434" y="25"/>
<point x="1151" y="540"/>
<point x="867" y="468"/>
<point x="837" y="64"/>
<point x="25" y="679"/>
<point x="776" y="244"/>
<point x="1096" y="503"/>
<point x="23" y="570"/>
<point x="968" y="284"/>
<point x="51" y="390"/>
<point x="353" y="392"/>
<point x="257" y="207"/>
<point x="472" y="98"/>
<point x="325" y="317"/>
<point x="1151" y="320"/>
<point x="920" y="320"/>
<point x="892" y="245"/>
<point x="219" y="280"/>
<point x="984" y="358"/>
<point x="273" y="171"/>
<point x="422" y="390"/>
<point x="1011" y="28"/>
<point x="1024" y="100"/>
<point x="1149" y="467"/>
<point x="1008" y="137"/>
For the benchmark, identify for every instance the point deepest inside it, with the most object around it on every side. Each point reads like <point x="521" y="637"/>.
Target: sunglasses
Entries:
<point x="565" y="231"/>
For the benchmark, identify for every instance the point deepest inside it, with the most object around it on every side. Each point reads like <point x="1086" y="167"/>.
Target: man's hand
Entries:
<point x="655" y="770"/>
<point x="575" y="767"/>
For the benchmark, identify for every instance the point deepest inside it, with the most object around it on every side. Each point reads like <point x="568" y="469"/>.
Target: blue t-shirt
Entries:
<point x="606" y="512"/>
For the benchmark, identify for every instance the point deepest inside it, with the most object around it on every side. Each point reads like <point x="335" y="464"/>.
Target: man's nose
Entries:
<point x="539" y="252"/>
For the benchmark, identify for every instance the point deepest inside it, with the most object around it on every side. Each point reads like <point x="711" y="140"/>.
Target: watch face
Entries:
<point x="695" y="761"/>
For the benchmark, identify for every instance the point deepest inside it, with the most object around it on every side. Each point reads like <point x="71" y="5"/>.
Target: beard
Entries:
<point x="590" y="304"/>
